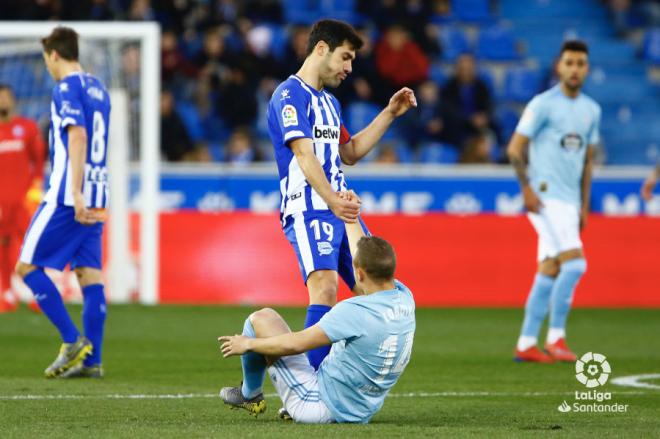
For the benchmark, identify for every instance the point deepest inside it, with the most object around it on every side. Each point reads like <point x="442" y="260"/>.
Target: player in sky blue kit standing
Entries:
<point x="311" y="142"/>
<point x="561" y="126"/>
<point x="67" y="227"/>
<point x="371" y="337"/>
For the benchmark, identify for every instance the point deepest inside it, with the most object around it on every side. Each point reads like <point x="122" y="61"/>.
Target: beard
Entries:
<point x="4" y="113"/>
<point x="573" y="85"/>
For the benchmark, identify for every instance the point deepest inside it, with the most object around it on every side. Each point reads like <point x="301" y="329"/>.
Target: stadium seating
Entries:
<point x="438" y="153"/>
<point x="472" y="11"/>
<point x="497" y="43"/>
<point x="454" y="42"/>
<point x="521" y="84"/>
<point x="651" y="46"/>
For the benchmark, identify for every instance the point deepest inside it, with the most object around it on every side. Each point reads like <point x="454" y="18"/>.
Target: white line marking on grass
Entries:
<point x="272" y="395"/>
<point x="636" y="381"/>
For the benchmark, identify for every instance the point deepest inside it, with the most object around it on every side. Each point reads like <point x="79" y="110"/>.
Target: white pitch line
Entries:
<point x="637" y="381"/>
<point x="272" y="395"/>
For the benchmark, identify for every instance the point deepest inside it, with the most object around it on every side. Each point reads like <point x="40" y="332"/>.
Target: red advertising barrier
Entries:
<point x="485" y="260"/>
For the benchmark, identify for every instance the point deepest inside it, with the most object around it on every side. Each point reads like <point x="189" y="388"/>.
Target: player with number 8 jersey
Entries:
<point x="67" y="227"/>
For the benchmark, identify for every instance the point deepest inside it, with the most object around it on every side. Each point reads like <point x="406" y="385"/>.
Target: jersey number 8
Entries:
<point x="98" y="138"/>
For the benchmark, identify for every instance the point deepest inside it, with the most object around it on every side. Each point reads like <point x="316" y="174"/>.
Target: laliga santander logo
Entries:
<point x="592" y="370"/>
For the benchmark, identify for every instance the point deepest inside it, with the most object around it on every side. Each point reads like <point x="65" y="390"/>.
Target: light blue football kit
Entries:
<point x="372" y="339"/>
<point x="560" y="129"/>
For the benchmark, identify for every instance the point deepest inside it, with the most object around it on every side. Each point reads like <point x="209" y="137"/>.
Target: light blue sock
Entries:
<point x="536" y="307"/>
<point x="562" y="292"/>
<point x="93" y="317"/>
<point x="254" y="367"/>
<point x="50" y="302"/>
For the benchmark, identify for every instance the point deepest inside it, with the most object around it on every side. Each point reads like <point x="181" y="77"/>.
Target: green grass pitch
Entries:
<point x="460" y="382"/>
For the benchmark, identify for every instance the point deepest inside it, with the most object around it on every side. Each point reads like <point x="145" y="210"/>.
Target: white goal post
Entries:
<point x="147" y="34"/>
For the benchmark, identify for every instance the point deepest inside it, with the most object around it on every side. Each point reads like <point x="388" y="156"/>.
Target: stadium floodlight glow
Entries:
<point x="23" y="37"/>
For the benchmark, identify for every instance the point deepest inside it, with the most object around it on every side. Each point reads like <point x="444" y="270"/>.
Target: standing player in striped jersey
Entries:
<point x="561" y="126"/>
<point x="311" y="142"/>
<point x="67" y="227"/>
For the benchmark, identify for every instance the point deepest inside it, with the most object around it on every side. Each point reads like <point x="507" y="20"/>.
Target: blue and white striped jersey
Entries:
<point x="297" y="110"/>
<point x="79" y="99"/>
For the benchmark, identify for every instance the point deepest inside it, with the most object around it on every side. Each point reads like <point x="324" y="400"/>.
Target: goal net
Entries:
<point x="126" y="57"/>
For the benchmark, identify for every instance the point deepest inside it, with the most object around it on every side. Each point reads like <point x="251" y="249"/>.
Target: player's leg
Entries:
<point x="249" y="396"/>
<point x="322" y="286"/>
<point x="572" y="268"/>
<point x="86" y="263"/>
<point x="51" y="240"/>
<point x="7" y="302"/>
<point x="316" y="238"/>
<point x="293" y="376"/>
<point x="536" y="307"/>
<point x="566" y="222"/>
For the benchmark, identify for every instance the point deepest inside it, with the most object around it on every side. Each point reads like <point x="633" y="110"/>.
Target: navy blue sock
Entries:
<point x="93" y="317"/>
<point x="254" y="367"/>
<point x="50" y="302"/>
<point x="314" y="314"/>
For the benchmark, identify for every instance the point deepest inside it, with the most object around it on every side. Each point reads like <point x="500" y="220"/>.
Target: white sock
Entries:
<point x="525" y="342"/>
<point x="555" y="334"/>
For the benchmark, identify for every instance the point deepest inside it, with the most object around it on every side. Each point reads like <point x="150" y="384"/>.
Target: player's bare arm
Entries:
<point x="365" y="140"/>
<point x="77" y="158"/>
<point x="587" y="172"/>
<point x="650" y="182"/>
<point x="354" y="231"/>
<point x="516" y="152"/>
<point x="291" y="343"/>
<point x="345" y="210"/>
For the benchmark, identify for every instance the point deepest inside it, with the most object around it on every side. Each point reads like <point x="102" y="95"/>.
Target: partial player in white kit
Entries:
<point x="561" y="127"/>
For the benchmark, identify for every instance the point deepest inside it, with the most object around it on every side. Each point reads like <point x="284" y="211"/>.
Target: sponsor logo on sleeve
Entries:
<point x="67" y="110"/>
<point x="289" y="116"/>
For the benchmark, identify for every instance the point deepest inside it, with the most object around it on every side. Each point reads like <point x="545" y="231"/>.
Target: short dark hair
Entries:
<point x="376" y="257"/>
<point x="334" y="33"/>
<point x="64" y="41"/>
<point x="574" y="46"/>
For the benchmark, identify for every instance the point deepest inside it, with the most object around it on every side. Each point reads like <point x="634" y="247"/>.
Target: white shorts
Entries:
<point x="297" y="385"/>
<point x="558" y="227"/>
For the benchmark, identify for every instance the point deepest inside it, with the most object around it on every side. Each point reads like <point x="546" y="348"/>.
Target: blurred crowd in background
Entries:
<point x="222" y="59"/>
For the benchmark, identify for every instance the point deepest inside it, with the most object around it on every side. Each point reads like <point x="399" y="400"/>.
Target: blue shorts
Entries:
<point x="55" y="239"/>
<point x="320" y="242"/>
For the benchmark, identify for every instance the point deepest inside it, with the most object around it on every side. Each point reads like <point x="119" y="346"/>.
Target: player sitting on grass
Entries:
<point x="371" y="337"/>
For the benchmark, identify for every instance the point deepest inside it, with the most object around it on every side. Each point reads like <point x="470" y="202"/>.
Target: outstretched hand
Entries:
<point x="231" y="345"/>
<point x="402" y="101"/>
